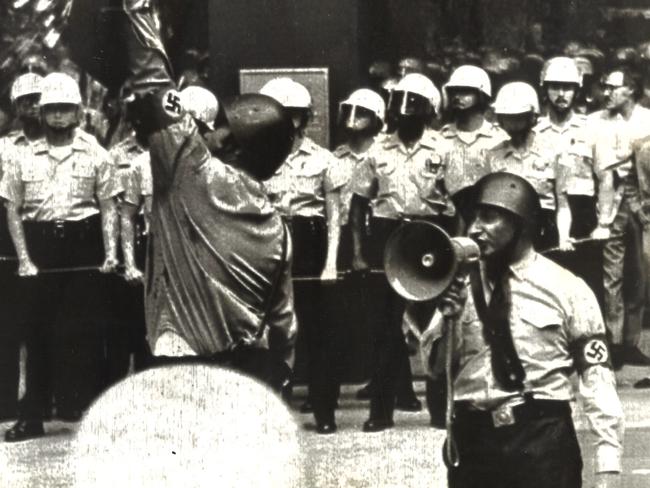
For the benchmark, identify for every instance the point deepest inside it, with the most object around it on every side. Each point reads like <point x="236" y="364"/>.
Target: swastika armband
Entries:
<point x="590" y="351"/>
<point x="156" y="111"/>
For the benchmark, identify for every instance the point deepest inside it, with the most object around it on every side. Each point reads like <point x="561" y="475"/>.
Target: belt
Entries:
<point x="509" y="414"/>
<point x="59" y="229"/>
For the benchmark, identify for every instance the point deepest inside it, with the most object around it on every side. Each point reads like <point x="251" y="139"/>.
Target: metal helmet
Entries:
<point x="288" y="93"/>
<point x="509" y="192"/>
<point x="516" y="97"/>
<point x="421" y="85"/>
<point x="60" y="88"/>
<point x="263" y="130"/>
<point x="368" y="99"/>
<point x="561" y="70"/>
<point x="469" y="76"/>
<point x="27" y="84"/>
<point x="201" y="104"/>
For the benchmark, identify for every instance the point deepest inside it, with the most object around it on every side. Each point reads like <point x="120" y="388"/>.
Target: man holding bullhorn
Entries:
<point x="522" y="325"/>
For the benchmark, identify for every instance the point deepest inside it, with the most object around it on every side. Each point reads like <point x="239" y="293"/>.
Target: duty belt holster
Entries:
<point x="58" y="229"/>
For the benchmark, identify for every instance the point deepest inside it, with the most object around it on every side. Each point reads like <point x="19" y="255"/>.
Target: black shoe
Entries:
<point x="633" y="355"/>
<point x="326" y="427"/>
<point x="410" y="405"/>
<point x="643" y="383"/>
<point x="306" y="407"/>
<point x="377" y="425"/>
<point x="23" y="430"/>
<point x="364" y="393"/>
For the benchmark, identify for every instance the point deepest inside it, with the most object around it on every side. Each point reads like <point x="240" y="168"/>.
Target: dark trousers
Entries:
<point x="65" y="315"/>
<point x="392" y="374"/>
<point x="539" y="452"/>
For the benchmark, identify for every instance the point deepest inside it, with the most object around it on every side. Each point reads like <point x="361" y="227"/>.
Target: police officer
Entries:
<point x="305" y="190"/>
<point x="522" y="326"/>
<point x="25" y="95"/>
<point x="563" y="128"/>
<point x="469" y="136"/>
<point x="361" y="118"/>
<point x="62" y="213"/>
<point x="517" y="107"/>
<point x="401" y="178"/>
<point x="615" y="128"/>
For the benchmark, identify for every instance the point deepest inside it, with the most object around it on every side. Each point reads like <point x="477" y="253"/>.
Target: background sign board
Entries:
<point x="316" y="80"/>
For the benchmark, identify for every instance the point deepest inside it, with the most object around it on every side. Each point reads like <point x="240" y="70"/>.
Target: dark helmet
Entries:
<point x="263" y="131"/>
<point x="509" y="192"/>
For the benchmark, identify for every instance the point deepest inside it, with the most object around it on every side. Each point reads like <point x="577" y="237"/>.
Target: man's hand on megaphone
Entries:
<point x="452" y="301"/>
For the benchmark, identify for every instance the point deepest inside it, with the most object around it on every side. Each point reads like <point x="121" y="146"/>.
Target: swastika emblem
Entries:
<point x="595" y="352"/>
<point x="171" y="101"/>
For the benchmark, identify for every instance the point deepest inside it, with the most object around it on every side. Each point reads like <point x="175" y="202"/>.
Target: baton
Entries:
<point x="584" y="240"/>
<point x="77" y="269"/>
<point x="339" y="276"/>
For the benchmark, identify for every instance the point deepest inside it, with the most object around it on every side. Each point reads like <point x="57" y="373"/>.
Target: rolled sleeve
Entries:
<point x="363" y="178"/>
<point x="597" y="385"/>
<point x="11" y="188"/>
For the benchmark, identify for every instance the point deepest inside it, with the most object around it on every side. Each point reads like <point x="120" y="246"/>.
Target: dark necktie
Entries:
<point x="506" y="365"/>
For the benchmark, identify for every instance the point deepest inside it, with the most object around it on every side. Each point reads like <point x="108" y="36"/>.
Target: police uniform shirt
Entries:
<point x="403" y="181"/>
<point x="556" y="326"/>
<point x="465" y="153"/>
<point x="539" y="164"/>
<point x="573" y="143"/>
<point x="138" y="182"/>
<point x="299" y="186"/>
<point x="12" y="148"/>
<point x="123" y="154"/>
<point x="61" y="183"/>
<point x="348" y="163"/>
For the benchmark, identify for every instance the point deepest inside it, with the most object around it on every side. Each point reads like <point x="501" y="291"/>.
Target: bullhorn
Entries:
<point x="421" y="260"/>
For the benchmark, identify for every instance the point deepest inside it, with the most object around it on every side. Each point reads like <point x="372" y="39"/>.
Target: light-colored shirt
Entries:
<point x="575" y="146"/>
<point x="403" y="181"/>
<point x="614" y="136"/>
<point x="60" y="183"/>
<point x="551" y="310"/>
<point x="348" y="163"/>
<point x="539" y="164"/>
<point x="464" y="153"/>
<point x="299" y="186"/>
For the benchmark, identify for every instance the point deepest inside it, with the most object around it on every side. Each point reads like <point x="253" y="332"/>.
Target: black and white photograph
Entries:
<point x="325" y="243"/>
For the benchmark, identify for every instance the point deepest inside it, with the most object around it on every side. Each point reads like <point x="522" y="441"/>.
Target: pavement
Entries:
<point x="403" y="457"/>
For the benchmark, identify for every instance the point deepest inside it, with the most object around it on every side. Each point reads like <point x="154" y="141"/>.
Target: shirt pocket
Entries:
<point x="35" y="183"/>
<point x="83" y="181"/>
<point x="541" y="334"/>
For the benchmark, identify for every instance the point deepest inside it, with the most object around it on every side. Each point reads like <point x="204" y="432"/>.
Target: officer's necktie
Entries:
<point x="506" y="365"/>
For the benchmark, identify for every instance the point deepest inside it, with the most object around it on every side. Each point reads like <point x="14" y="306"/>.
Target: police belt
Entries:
<point x="505" y="415"/>
<point x="62" y="229"/>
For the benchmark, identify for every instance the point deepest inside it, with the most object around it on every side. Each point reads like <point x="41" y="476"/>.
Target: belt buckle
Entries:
<point x="59" y="228"/>
<point x="503" y="416"/>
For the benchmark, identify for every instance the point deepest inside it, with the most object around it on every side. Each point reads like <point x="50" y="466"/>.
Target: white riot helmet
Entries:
<point x="516" y="97"/>
<point x="288" y="93"/>
<point x="420" y="85"/>
<point x="561" y="70"/>
<point x="60" y="88"/>
<point x="27" y="84"/>
<point x="468" y="76"/>
<point x="367" y="99"/>
<point x="201" y="104"/>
